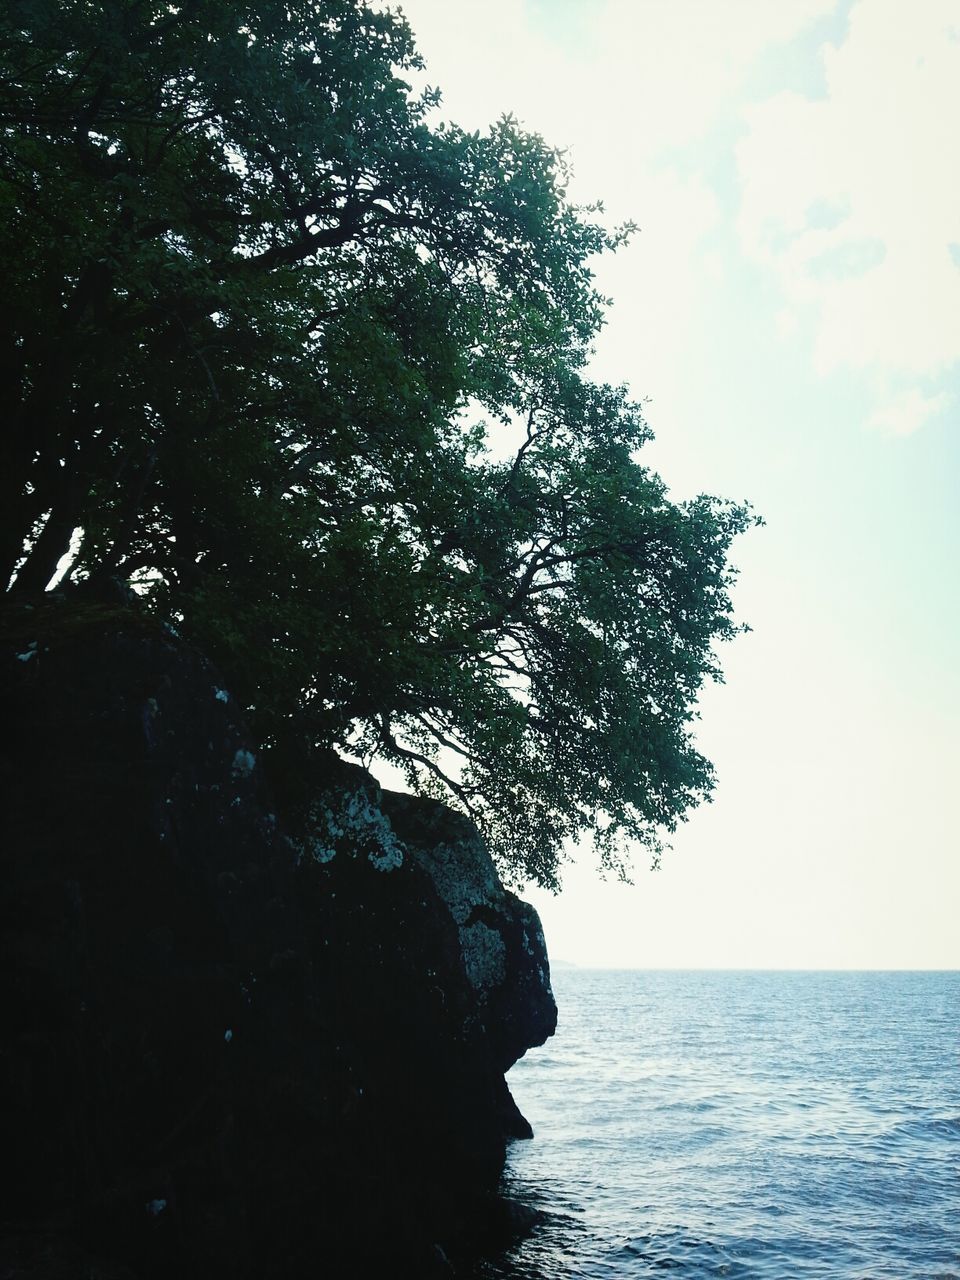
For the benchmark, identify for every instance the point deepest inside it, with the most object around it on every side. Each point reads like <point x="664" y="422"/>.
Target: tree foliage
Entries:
<point x="267" y="330"/>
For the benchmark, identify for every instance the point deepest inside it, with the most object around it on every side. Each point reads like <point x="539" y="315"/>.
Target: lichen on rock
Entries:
<point x="484" y="955"/>
<point x="351" y="822"/>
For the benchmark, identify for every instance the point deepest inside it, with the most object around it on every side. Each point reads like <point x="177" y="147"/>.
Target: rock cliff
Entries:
<point x="232" y="1047"/>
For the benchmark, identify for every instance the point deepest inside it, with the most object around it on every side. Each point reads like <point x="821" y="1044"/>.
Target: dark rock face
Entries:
<point x="229" y="1049"/>
<point x="502" y="944"/>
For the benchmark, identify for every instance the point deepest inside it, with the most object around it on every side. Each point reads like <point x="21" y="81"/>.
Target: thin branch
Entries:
<point x="462" y="793"/>
<point x="532" y="436"/>
<point x="442" y="738"/>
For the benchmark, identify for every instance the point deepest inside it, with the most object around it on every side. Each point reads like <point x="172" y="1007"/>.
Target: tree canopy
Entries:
<point x="267" y="330"/>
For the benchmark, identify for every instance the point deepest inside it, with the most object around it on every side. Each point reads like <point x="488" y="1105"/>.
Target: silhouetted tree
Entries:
<point x="265" y="332"/>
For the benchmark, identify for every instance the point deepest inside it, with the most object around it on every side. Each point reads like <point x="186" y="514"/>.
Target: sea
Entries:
<point x="752" y="1125"/>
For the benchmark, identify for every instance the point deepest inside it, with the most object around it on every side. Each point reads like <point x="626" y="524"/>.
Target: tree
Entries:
<point x="265" y="328"/>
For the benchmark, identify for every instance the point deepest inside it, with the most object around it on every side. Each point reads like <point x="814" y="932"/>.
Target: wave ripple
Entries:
<point x="756" y="1126"/>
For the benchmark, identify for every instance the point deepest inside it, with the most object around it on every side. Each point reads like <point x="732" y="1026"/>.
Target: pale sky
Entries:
<point x="791" y="308"/>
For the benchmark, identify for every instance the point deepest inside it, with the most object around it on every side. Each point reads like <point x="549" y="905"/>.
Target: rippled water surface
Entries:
<point x="767" y="1125"/>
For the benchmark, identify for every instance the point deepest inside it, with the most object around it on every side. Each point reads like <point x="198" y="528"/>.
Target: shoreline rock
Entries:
<point x="233" y="1049"/>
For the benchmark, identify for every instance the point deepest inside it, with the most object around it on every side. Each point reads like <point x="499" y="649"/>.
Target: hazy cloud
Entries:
<point x="907" y="413"/>
<point x="853" y="201"/>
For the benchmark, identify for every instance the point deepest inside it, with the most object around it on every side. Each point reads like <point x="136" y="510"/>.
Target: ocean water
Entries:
<point x="753" y="1125"/>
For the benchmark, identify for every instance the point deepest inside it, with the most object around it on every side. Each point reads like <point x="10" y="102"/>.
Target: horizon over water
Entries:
<point x="561" y="965"/>
<point x="751" y="1124"/>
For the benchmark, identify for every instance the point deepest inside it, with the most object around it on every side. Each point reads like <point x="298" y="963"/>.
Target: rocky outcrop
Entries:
<point x="503" y="996"/>
<point x="501" y="941"/>
<point x="231" y="1047"/>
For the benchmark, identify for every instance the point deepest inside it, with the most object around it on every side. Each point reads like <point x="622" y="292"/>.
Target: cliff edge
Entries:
<point x="232" y="1047"/>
